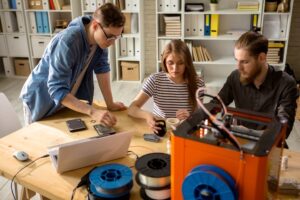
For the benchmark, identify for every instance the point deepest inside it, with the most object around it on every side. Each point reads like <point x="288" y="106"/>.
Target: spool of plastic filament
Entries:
<point x="111" y="181"/>
<point x="209" y="182"/>
<point x="154" y="176"/>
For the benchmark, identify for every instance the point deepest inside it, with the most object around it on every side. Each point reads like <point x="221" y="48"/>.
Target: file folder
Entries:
<point x="130" y="47"/>
<point x="45" y="22"/>
<point x="160" y="5"/>
<point x="32" y="22"/>
<point x="187" y="25"/>
<point x="207" y="25"/>
<point x="19" y="4"/>
<point x="13" y="4"/>
<point x="134" y="23"/>
<point x="194" y="23"/>
<point x="123" y="47"/>
<point x="174" y="5"/>
<point x="21" y="23"/>
<point x="45" y="5"/>
<point x="283" y="25"/>
<point x="93" y="5"/>
<point x="39" y="22"/>
<point x="214" y="29"/>
<point x="135" y="4"/>
<point x="11" y="22"/>
<point x="200" y="22"/>
<point x="5" y="4"/>
<point x="137" y="49"/>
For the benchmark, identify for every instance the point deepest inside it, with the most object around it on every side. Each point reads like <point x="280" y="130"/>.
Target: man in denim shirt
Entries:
<point x="49" y="86"/>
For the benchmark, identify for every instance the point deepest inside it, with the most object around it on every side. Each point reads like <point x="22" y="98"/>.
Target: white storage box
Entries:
<point x="39" y="44"/>
<point x="17" y="45"/>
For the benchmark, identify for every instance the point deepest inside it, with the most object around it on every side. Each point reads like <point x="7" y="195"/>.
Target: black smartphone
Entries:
<point x="151" y="137"/>
<point x="104" y="130"/>
<point x="75" y="125"/>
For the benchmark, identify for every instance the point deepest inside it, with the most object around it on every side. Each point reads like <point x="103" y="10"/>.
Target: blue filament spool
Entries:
<point x="110" y="181"/>
<point x="208" y="182"/>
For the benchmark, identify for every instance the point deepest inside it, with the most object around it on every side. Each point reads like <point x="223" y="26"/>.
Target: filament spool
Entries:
<point x="153" y="170"/>
<point x="155" y="194"/>
<point x="209" y="182"/>
<point x="111" y="181"/>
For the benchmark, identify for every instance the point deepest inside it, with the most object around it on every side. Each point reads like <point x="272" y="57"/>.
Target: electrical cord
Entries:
<point x="12" y="180"/>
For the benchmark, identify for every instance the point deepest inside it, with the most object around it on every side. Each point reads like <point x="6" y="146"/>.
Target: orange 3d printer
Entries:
<point x="231" y="156"/>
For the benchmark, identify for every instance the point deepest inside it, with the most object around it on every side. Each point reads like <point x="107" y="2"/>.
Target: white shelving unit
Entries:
<point x="130" y="48"/>
<point x="27" y="26"/>
<point x="53" y="20"/>
<point x="13" y="35"/>
<point x="117" y="55"/>
<point x="221" y="46"/>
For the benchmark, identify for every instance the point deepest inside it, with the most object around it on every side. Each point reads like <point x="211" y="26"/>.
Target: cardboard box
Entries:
<point x="35" y="4"/>
<point x="22" y="67"/>
<point x="130" y="71"/>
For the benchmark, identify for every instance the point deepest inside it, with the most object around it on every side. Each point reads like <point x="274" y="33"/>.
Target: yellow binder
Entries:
<point x="214" y="27"/>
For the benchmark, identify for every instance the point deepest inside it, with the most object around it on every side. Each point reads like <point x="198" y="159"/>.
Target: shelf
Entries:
<point x="224" y="12"/>
<point x="130" y="35"/>
<point x="220" y="37"/>
<point x="169" y="13"/>
<point x="277" y="13"/>
<point x="128" y="59"/>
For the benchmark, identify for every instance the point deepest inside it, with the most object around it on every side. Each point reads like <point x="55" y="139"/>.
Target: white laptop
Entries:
<point x="81" y="153"/>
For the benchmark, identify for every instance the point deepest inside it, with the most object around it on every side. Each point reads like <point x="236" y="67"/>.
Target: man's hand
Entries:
<point x="182" y="114"/>
<point x="116" y="106"/>
<point x="103" y="117"/>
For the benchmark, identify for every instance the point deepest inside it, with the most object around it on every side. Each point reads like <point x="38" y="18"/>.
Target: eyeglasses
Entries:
<point x="109" y="38"/>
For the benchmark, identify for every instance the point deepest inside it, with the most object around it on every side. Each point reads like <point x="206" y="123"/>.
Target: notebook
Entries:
<point x="81" y="153"/>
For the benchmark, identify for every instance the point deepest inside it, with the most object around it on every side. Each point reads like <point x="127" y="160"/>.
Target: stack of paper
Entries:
<point x="172" y="26"/>
<point x="273" y="56"/>
<point x="248" y="5"/>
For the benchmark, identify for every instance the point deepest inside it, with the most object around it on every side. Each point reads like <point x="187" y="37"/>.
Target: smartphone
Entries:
<point x="76" y="125"/>
<point x="151" y="137"/>
<point x="104" y="130"/>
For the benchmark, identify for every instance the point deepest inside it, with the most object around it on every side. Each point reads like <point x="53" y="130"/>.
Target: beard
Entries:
<point x="251" y="76"/>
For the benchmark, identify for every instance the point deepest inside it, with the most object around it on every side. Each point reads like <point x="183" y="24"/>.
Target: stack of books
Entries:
<point x="274" y="52"/>
<point x="200" y="54"/>
<point x="248" y="5"/>
<point x="172" y="26"/>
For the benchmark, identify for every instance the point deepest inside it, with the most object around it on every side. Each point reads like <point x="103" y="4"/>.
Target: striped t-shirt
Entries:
<point x="168" y="97"/>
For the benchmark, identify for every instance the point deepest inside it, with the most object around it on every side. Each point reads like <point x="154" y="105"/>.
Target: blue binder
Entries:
<point x="39" y="22"/>
<point x="13" y="4"/>
<point x="207" y="21"/>
<point x="45" y="22"/>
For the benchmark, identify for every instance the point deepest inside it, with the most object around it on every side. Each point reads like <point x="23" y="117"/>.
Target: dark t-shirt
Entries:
<point x="277" y="95"/>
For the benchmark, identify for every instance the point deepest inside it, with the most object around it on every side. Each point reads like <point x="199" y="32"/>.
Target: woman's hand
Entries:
<point x="182" y="114"/>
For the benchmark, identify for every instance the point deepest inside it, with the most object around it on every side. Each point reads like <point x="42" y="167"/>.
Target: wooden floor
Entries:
<point x="122" y="91"/>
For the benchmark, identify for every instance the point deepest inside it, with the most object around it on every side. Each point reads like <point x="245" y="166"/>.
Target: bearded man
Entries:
<point x="257" y="86"/>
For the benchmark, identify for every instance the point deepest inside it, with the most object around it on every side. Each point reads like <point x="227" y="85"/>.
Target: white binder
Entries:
<point x="174" y="5"/>
<point x="5" y="4"/>
<point x="100" y="3"/>
<point x="3" y="25"/>
<point x="32" y="22"/>
<point x="123" y="47"/>
<point x="161" y="5"/>
<point x="137" y="49"/>
<point x="167" y="5"/>
<point x="135" y="4"/>
<point x="19" y="4"/>
<point x="194" y="29"/>
<point x="128" y="5"/>
<point x="11" y="22"/>
<point x="200" y="22"/>
<point x="93" y="5"/>
<point x="45" y="4"/>
<point x="20" y="20"/>
<point x="130" y="47"/>
<point x="188" y="22"/>
<point x="86" y="5"/>
<point x="8" y="67"/>
<point x="134" y="23"/>
<point x="283" y="25"/>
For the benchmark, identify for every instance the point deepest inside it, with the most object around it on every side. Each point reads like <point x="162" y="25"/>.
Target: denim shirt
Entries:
<point x="54" y="76"/>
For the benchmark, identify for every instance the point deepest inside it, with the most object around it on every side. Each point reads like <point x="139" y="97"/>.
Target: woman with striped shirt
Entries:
<point x="173" y="90"/>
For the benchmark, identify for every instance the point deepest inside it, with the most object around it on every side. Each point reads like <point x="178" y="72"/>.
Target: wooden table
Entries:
<point x="42" y="177"/>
